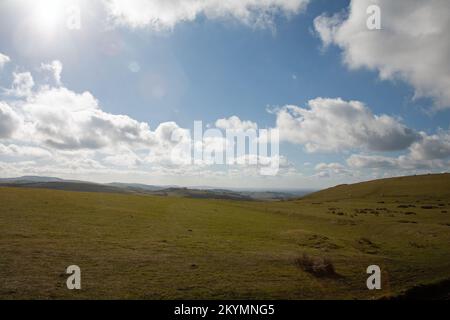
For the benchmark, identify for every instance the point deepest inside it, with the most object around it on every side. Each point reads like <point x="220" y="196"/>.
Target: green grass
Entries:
<point x="142" y="247"/>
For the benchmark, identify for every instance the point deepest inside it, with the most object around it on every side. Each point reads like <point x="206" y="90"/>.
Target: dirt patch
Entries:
<point x="317" y="266"/>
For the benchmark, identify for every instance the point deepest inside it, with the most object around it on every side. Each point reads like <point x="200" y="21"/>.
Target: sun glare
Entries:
<point x="48" y="16"/>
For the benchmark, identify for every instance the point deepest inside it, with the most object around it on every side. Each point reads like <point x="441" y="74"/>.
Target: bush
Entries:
<point x="319" y="267"/>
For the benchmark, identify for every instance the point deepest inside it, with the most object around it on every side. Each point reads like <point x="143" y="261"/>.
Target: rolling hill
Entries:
<point x="141" y="246"/>
<point x="423" y="186"/>
<point x="166" y="191"/>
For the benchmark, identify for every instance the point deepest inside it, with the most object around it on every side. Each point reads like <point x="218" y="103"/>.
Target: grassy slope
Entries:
<point x="422" y="187"/>
<point x="132" y="246"/>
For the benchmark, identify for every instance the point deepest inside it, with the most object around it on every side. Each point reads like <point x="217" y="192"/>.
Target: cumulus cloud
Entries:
<point x="9" y="121"/>
<point x="413" y="44"/>
<point x="401" y="165"/>
<point x="13" y="150"/>
<point x="73" y="131"/>
<point x="127" y="159"/>
<point x="234" y="123"/>
<point x="55" y="68"/>
<point x="431" y="152"/>
<point x="65" y="131"/>
<point x="162" y="14"/>
<point x="62" y="124"/>
<point x="337" y="125"/>
<point x="372" y="162"/>
<point x="63" y="119"/>
<point x="432" y="147"/>
<point x="22" y="85"/>
<point x="4" y="59"/>
<point x="327" y="170"/>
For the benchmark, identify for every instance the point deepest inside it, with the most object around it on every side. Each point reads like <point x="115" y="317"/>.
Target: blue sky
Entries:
<point x="214" y="68"/>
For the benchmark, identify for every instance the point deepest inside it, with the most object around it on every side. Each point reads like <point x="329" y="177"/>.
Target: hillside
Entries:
<point x="139" y="246"/>
<point x="424" y="186"/>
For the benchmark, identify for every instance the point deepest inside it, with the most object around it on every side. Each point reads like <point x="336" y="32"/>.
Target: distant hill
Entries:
<point x="202" y="194"/>
<point x="432" y="185"/>
<point x="276" y="195"/>
<point x="78" y="186"/>
<point x="166" y="191"/>
<point x="137" y="187"/>
<point x="30" y="179"/>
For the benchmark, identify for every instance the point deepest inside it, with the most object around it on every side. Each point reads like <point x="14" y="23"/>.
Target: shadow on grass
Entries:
<point x="436" y="291"/>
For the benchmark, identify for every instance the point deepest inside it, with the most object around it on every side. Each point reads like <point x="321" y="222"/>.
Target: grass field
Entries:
<point x="146" y="247"/>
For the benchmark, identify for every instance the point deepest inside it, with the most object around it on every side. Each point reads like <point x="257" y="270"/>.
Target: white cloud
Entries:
<point x="22" y="84"/>
<point x="55" y="68"/>
<point x="165" y="131"/>
<point x="329" y="166"/>
<point x="235" y="124"/>
<point x="4" y="59"/>
<point x="76" y="133"/>
<point x="413" y="44"/>
<point x="163" y="14"/>
<point x="64" y="133"/>
<point x="402" y="165"/>
<point x="327" y="170"/>
<point x="127" y="159"/>
<point x="63" y="119"/>
<point x="431" y="152"/>
<point x="71" y="129"/>
<point x="371" y="162"/>
<point x="338" y="125"/>
<point x="13" y="150"/>
<point x="9" y="121"/>
<point x="432" y="147"/>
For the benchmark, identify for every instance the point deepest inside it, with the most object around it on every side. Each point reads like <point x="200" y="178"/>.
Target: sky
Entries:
<point x="94" y="90"/>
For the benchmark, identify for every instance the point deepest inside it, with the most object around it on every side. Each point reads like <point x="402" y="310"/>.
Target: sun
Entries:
<point x="48" y="16"/>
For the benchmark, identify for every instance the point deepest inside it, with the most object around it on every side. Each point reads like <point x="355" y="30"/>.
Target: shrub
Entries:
<point x="319" y="267"/>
